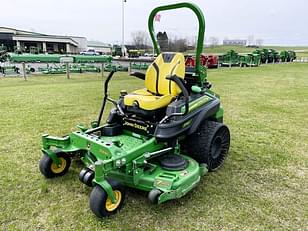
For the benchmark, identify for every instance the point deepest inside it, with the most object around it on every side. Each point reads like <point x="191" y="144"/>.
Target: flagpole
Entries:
<point x="156" y="19"/>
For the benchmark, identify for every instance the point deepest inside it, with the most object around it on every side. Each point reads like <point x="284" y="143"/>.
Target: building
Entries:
<point x="235" y="42"/>
<point x="26" y="41"/>
<point x="100" y="47"/>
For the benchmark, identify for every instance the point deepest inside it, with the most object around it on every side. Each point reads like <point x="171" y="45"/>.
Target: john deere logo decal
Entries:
<point x="134" y="125"/>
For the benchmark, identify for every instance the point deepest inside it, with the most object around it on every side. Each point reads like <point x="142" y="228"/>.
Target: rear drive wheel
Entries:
<point x="101" y="204"/>
<point x="209" y="144"/>
<point x="50" y="169"/>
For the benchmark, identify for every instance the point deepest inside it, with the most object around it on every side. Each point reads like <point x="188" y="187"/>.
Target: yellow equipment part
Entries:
<point x="159" y="91"/>
<point x="109" y="205"/>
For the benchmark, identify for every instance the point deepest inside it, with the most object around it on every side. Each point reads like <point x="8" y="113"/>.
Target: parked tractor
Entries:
<point x="287" y="56"/>
<point x="263" y="56"/>
<point x="231" y="58"/>
<point x="250" y="60"/>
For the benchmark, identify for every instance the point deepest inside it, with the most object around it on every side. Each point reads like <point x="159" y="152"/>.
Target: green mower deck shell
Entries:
<point x="121" y="157"/>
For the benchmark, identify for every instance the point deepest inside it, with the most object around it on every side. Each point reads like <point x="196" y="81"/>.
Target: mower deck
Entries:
<point x="112" y="153"/>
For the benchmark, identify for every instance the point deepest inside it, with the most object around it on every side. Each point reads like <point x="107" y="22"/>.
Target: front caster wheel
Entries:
<point x="86" y="176"/>
<point x="50" y="169"/>
<point x="101" y="204"/>
<point x="154" y="195"/>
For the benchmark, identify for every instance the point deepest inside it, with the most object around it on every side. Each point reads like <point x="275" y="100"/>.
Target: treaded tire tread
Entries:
<point x="198" y="145"/>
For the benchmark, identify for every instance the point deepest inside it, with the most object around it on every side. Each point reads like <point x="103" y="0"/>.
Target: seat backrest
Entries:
<point x="164" y="65"/>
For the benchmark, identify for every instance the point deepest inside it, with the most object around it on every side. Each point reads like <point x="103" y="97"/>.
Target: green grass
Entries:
<point x="263" y="184"/>
<point x="302" y="54"/>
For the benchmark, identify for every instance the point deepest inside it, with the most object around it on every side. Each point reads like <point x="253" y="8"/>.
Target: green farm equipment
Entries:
<point x="116" y="67"/>
<point x="250" y="60"/>
<point x="292" y="55"/>
<point x="133" y="53"/>
<point x="263" y="55"/>
<point x="75" y="68"/>
<point x="139" y="66"/>
<point x="284" y="56"/>
<point x="92" y="58"/>
<point x="231" y="58"/>
<point x="287" y="56"/>
<point x="9" y="70"/>
<point x="161" y="139"/>
<point x="34" y="58"/>
<point x="55" y="58"/>
<point x="274" y="56"/>
<point x="89" y="68"/>
<point x="53" y="70"/>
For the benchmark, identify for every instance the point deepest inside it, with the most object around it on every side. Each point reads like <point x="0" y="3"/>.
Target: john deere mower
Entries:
<point x="161" y="139"/>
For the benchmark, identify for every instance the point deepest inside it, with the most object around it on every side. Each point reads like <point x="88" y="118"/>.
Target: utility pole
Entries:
<point x="123" y="45"/>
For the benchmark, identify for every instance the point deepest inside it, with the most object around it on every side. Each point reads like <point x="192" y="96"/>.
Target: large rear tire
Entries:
<point x="209" y="144"/>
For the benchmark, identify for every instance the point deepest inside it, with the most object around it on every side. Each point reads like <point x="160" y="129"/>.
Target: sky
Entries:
<point x="276" y="22"/>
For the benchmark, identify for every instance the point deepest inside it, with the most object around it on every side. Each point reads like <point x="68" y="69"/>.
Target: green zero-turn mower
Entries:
<point x="159" y="139"/>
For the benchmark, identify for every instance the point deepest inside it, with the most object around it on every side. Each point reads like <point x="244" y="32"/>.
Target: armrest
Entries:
<point x="180" y="83"/>
<point x="139" y="75"/>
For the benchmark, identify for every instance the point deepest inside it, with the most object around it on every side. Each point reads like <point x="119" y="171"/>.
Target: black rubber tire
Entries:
<point x="153" y="195"/>
<point x="99" y="197"/>
<point x="82" y="173"/>
<point x="46" y="163"/>
<point x="209" y="144"/>
<point x="88" y="177"/>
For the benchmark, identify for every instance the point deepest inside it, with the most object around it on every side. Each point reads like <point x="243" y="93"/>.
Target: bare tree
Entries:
<point x="178" y="45"/>
<point x="213" y="41"/>
<point x="140" y="39"/>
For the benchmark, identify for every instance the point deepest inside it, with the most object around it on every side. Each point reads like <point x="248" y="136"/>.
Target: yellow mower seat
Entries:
<point x="159" y="91"/>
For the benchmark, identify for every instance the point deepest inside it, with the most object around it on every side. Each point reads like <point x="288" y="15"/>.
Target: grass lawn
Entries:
<point x="263" y="184"/>
<point x="302" y="54"/>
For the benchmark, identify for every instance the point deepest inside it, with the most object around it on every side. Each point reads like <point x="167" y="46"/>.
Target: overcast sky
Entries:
<point x="279" y="22"/>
